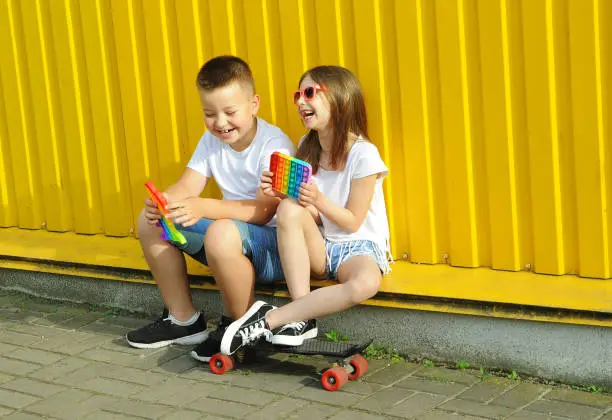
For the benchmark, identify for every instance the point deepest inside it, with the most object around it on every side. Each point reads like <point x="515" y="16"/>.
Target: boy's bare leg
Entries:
<point x="234" y="273"/>
<point x="168" y="267"/>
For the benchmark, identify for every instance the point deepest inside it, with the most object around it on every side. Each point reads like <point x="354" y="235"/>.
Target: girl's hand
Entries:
<point x="309" y="195"/>
<point x="152" y="213"/>
<point x="185" y="212"/>
<point x="266" y="185"/>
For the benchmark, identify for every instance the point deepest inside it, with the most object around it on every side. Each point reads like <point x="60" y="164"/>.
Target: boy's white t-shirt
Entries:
<point x="238" y="174"/>
<point x="363" y="160"/>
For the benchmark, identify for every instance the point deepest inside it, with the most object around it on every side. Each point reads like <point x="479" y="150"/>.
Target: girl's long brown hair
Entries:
<point x="347" y="114"/>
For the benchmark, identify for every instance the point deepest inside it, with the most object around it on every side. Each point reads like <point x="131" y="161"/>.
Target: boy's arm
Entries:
<point x="258" y="211"/>
<point x="190" y="184"/>
<point x="191" y="209"/>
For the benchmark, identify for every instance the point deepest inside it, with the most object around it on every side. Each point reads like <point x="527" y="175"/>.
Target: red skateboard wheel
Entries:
<point x="360" y="367"/>
<point x="221" y="363"/>
<point x="334" y="378"/>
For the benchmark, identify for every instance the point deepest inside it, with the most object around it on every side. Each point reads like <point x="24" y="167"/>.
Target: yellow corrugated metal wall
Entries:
<point x="492" y="114"/>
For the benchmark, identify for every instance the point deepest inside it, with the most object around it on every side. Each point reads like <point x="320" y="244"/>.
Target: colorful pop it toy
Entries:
<point x="288" y="174"/>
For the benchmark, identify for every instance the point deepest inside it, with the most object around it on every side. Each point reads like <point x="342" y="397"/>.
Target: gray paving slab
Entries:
<point x="68" y="363"/>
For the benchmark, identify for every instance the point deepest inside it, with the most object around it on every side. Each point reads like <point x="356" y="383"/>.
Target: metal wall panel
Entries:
<point x="491" y="114"/>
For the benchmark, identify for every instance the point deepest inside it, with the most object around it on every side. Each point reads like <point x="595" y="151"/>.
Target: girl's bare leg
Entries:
<point x="359" y="279"/>
<point x="301" y="247"/>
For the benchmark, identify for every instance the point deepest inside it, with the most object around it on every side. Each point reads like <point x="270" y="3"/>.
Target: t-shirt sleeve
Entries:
<point x="368" y="162"/>
<point x="280" y="144"/>
<point x="200" y="159"/>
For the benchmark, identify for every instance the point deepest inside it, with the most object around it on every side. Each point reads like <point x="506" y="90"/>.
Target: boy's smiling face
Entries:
<point x="229" y="113"/>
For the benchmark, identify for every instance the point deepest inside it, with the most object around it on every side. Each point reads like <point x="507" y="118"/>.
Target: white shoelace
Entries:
<point x="252" y="334"/>
<point x="294" y="325"/>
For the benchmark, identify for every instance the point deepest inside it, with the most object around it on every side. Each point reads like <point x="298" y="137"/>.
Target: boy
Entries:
<point x="235" y="236"/>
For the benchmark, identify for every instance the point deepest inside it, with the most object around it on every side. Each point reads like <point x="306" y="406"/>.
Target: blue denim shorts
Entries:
<point x="338" y="253"/>
<point x="258" y="245"/>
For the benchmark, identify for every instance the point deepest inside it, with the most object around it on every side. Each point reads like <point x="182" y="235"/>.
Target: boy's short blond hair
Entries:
<point x="223" y="70"/>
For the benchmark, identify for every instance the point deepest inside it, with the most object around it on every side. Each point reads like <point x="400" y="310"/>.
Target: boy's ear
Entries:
<point x="255" y="105"/>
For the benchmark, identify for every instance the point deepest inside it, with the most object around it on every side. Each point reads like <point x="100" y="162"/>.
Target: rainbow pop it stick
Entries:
<point x="169" y="230"/>
<point x="288" y="173"/>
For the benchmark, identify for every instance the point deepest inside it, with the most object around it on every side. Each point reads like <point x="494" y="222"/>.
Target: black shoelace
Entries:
<point x="157" y="323"/>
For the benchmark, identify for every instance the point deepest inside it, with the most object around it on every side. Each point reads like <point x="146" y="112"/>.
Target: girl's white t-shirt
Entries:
<point x="363" y="160"/>
<point x="238" y="174"/>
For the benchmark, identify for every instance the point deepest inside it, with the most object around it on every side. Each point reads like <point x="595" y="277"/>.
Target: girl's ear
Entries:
<point x="255" y="105"/>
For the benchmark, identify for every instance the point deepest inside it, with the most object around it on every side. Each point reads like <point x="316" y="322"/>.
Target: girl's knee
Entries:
<point x="288" y="212"/>
<point x="364" y="287"/>
<point x="372" y="285"/>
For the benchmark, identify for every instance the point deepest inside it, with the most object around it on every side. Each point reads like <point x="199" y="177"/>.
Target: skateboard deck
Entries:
<point x="320" y="347"/>
<point x="346" y="362"/>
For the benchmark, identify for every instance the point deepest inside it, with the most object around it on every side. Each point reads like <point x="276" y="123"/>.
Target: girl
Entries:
<point x="346" y="196"/>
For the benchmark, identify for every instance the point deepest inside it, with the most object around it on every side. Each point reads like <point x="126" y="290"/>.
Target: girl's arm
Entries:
<point x="348" y="218"/>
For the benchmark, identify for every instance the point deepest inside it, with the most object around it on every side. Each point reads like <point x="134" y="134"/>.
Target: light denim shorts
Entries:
<point x="338" y="253"/>
<point x="258" y="245"/>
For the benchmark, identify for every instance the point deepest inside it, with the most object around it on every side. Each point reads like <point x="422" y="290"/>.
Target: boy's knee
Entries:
<point x="142" y="220"/>
<point x="222" y="238"/>
<point x="145" y="230"/>
<point x="288" y="212"/>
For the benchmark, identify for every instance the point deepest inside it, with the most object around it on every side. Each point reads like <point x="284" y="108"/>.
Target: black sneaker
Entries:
<point x="163" y="332"/>
<point x="212" y="345"/>
<point x="295" y="333"/>
<point x="248" y="329"/>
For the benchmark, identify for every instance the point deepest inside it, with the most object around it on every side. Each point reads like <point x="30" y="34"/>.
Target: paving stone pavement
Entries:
<point x="66" y="362"/>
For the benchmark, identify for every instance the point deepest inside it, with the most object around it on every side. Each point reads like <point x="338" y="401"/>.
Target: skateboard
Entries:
<point x="347" y="363"/>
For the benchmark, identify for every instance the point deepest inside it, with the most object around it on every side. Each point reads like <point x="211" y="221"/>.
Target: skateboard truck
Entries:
<point x="335" y="377"/>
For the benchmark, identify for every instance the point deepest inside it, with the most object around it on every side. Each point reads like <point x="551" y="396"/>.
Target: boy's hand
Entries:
<point x="152" y="213"/>
<point x="186" y="211"/>
<point x="266" y="185"/>
<point x="309" y="195"/>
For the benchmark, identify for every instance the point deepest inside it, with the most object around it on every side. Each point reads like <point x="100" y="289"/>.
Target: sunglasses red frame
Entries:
<point x="307" y="97"/>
